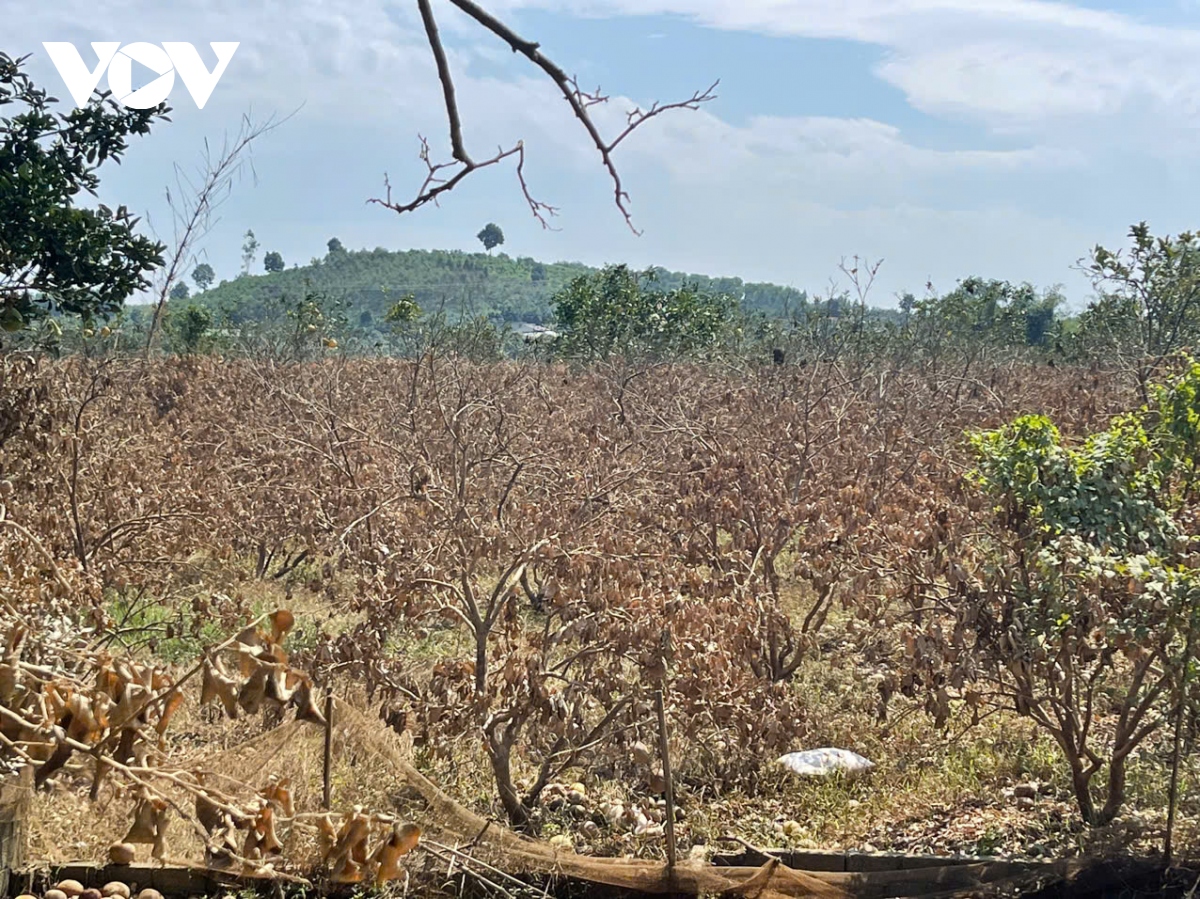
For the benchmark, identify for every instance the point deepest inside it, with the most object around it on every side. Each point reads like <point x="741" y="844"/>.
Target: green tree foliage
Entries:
<point x="491" y="236"/>
<point x="189" y="328"/>
<point x="249" y="251"/>
<point x="1148" y="301"/>
<point x="335" y="246"/>
<point x="537" y="274"/>
<point x="54" y="256"/>
<point x="773" y="300"/>
<point x="179" y="291"/>
<point x="203" y="276"/>
<point x="981" y="313"/>
<point x="294" y="327"/>
<point x="402" y="312"/>
<point x="1087" y="585"/>
<point x="474" y="338"/>
<point x="462" y="284"/>
<point x="273" y="262"/>
<point x="411" y="332"/>
<point x="620" y="312"/>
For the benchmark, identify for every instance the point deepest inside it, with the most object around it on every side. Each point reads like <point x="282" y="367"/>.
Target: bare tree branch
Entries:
<point x="580" y="101"/>
<point x="443" y="67"/>
<point x="193" y="219"/>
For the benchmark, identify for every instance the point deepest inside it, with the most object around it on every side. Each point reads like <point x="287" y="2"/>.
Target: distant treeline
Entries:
<point x="472" y="284"/>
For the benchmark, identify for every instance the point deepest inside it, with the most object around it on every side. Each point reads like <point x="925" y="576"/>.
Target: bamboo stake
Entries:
<point x="665" y="753"/>
<point x="328" y="764"/>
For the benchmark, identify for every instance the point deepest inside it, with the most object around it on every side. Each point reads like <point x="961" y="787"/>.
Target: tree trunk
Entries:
<point x="1081" y="784"/>
<point x="499" y="755"/>
<point x="481" y="661"/>
<point x="1116" y="792"/>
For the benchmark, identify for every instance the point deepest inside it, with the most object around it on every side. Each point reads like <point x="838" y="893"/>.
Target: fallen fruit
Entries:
<point x="121" y="853"/>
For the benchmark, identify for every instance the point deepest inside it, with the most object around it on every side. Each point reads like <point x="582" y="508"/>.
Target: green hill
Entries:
<point x="474" y="284"/>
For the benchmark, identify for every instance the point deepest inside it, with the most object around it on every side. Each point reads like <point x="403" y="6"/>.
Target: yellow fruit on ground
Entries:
<point x="121" y="853"/>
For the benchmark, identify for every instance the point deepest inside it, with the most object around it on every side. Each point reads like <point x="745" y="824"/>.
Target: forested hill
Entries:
<point x="475" y="283"/>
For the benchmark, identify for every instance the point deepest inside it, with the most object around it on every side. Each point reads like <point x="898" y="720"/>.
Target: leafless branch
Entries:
<point x="579" y="100"/>
<point x="434" y="185"/>
<point x="194" y="218"/>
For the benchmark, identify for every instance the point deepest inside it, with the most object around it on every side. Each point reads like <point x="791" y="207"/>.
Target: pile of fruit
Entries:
<point x="73" y="889"/>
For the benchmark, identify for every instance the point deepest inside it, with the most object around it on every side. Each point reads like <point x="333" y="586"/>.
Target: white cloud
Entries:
<point x="1016" y="65"/>
<point x="1031" y="67"/>
<point x="773" y="197"/>
<point x="699" y="144"/>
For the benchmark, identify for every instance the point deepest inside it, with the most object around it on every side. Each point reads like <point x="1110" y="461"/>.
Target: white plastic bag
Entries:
<point x="825" y="762"/>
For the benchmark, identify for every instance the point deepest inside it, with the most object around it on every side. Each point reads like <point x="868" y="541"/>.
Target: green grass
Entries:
<point x="171" y="633"/>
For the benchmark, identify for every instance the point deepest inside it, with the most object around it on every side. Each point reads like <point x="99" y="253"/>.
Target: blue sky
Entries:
<point x="949" y="138"/>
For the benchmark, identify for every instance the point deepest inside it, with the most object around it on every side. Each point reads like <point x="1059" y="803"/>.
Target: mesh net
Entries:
<point x="370" y="755"/>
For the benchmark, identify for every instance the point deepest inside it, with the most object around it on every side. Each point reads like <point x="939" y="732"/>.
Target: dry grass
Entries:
<point x="930" y="791"/>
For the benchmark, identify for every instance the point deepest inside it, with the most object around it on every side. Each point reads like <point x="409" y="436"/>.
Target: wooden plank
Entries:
<point x="921" y="883"/>
<point x="898" y="861"/>
<point x="825" y="860"/>
<point x="943" y="880"/>
<point x="801" y="859"/>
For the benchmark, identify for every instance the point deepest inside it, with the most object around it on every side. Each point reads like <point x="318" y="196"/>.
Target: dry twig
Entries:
<point x="580" y="101"/>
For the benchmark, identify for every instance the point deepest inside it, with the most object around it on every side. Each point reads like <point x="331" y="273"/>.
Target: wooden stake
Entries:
<point x="665" y="753"/>
<point x="328" y="751"/>
<point x="1173" y="789"/>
